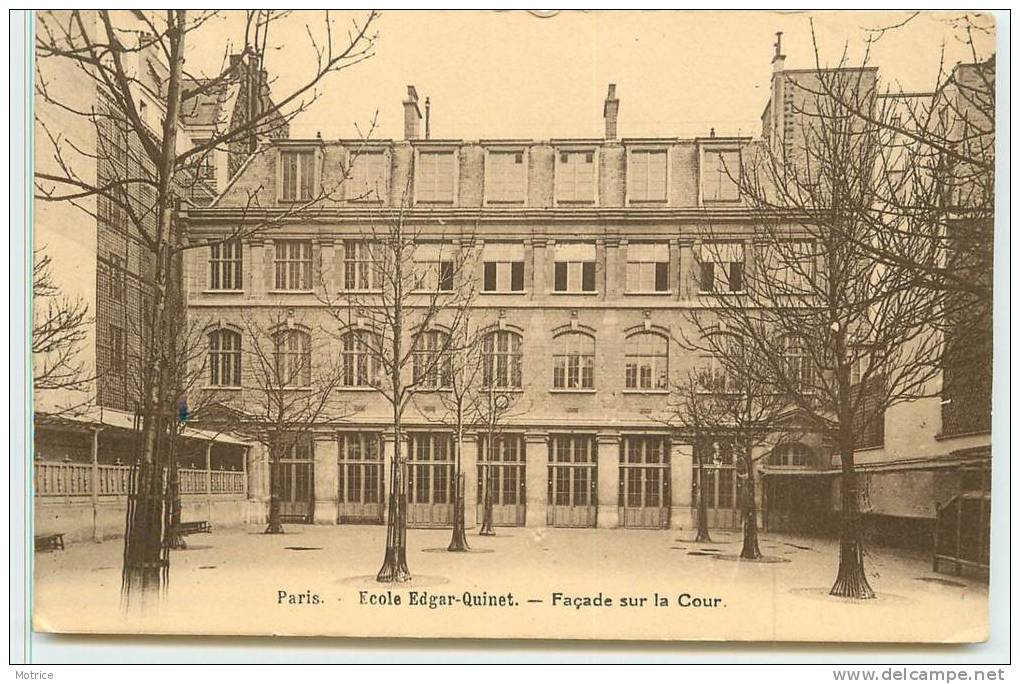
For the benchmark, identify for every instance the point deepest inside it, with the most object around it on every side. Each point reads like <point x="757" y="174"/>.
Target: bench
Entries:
<point x="49" y="542"/>
<point x="194" y="527"/>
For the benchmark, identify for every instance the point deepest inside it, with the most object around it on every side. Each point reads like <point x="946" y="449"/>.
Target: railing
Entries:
<point x="74" y="480"/>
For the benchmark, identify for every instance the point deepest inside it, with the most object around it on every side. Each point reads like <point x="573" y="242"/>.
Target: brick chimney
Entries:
<point x="610" y="110"/>
<point x="412" y="115"/>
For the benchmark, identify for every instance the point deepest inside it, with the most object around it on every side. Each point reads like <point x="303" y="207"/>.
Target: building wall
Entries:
<point x="65" y="232"/>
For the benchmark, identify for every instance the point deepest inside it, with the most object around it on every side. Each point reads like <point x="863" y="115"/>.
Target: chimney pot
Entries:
<point x="412" y="115"/>
<point x="611" y="111"/>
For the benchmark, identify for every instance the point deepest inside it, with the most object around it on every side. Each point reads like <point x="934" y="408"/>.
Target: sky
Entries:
<point x="512" y="74"/>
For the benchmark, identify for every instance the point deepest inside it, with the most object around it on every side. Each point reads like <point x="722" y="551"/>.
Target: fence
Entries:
<point x="74" y="480"/>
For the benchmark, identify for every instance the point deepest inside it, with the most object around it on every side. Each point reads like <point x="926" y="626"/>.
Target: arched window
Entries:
<point x="727" y="365"/>
<point x="574" y="361"/>
<point x="360" y="367"/>
<point x="433" y="364"/>
<point x="501" y="359"/>
<point x="792" y="454"/>
<point x="797" y="362"/>
<point x="224" y="358"/>
<point x="647" y="361"/>
<point x="293" y="358"/>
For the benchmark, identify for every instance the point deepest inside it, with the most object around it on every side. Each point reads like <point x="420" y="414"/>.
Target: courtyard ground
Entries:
<point x="239" y="581"/>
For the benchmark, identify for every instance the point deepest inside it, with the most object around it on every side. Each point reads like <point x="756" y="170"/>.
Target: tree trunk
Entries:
<point x="275" y="524"/>
<point x="458" y="542"/>
<point x="394" y="567"/>
<point x="146" y="556"/>
<point x="851" y="579"/>
<point x="174" y="538"/>
<point x="703" y="535"/>
<point x="749" y="514"/>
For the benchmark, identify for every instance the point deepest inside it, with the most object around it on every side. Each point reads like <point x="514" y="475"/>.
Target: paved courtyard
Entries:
<point x="565" y="583"/>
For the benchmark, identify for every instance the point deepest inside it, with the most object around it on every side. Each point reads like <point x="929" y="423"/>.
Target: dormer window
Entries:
<point x="646" y="176"/>
<point x="720" y="175"/>
<point x="505" y="176"/>
<point x="297" y="175"/>
<point x="575" y="176"/>
<point x="435" y="176"/>
<point x="368" y="176"/>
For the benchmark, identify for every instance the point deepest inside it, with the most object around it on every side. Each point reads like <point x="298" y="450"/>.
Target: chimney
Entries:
<point x="412" y="115"/>
<point x="778" y="59"/>
<point x="610" y="110"/>
<point x="428" y="112"/>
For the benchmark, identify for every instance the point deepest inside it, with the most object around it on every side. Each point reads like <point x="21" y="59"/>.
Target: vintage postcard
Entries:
<point x="541" y="325"/>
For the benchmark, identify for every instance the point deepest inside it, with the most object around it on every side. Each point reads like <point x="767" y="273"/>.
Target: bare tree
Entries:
<point x="60" y="325"/>
<point x="414" y="286"/>
<point x="490" y="409"/>
<point x="290" y="375"/>
<point x="841" y="336"/>
<point x="459" y="374"/>
<point x="730" y="404"/>
<point x="134" y="61"/>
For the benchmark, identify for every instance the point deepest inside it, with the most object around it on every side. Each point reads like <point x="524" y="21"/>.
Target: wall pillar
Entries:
<point x="537" y="479"/>
<point x="257" y="468"/>
<point x="97" y="532"/>
<point x="681" y="473"/>
<point x="469" y="466"/>
<point x="609" y="480"/>
<point x="326" y="456"/>
<point x="208" y="482"/>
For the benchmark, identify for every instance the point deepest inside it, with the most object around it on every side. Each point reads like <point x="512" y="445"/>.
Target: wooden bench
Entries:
<point x="49" y="542"/>
<point x="194" y="527"/>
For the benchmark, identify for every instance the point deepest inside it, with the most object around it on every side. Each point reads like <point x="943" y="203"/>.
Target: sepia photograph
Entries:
<point x="540" y="325"/>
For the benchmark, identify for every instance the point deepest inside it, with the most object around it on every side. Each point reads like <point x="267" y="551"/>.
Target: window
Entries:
<point x="869" y="417"/>
<point x="574" y="268"/>
<point x="725" y="368"/>
<point x="503" y="265"/>
<point x="574" y="361"/>
<point x="433" y="362"/>
<point x="797" y="362"/>
<point x="225" y="265"/>
<point x="720" y="176"/>
<point x="791" y="266"/>
<point x="575" y="176"/>
<point x="647" y="361"/>
<point x="646" y="176"/>
<point x="360" y="272"/>
<point x="647" y="268"/>
<point x="297" y="175"/>
<point x="501" y="359"/>
<point x="722" y="267"/>
<point x="644" y="472"/>
<point x="293" y="265"/>
<point x="118" y="278"/>
<point x="293" y="358"/>
<point x="435" y="264"/>
<point x="224" y="358"/>
<point x="360" y="367"/>
<point x="430" y="478"/>
<point x="118" y="349"/>
<point x="368" y="175"/>
<point x="505" y="176"/>
<point x="435" y="180"/>
<point x="795" y="454"/>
